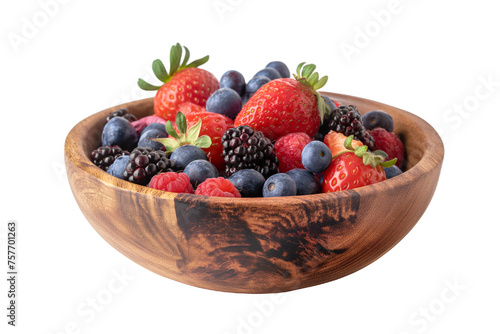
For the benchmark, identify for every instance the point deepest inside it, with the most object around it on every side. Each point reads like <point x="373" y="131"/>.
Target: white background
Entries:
<point x="63" y="61"/>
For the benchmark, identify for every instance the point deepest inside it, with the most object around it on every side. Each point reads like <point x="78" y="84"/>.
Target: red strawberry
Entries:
<point x="355" y="168"/>
<point x="390" y="143"/>
<point x="219" y="187"/>
<point x="213" y="125"/>
<point x="190" y="108"/>
<point x="289" y="149"/>
<point x="183" y="83"/>
<point x="286" y="105"/>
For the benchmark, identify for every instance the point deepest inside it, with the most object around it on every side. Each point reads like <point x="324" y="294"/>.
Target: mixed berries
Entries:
<point x="270" y="136"/>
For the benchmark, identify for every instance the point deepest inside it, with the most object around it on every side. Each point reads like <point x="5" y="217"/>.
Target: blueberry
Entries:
<point x="145" y="139"/>
<point x="278" y="185"/>
<point x="118" y="166"/>
<point x="254" y="84"/>
<point x="307" y="183"/>
<point x="234" y="80"/>
<point x="156" y="126"/>
<point x="224" y="101"/>
<point x="119" y="131"/>
<point x="316" y="156"/>
<point x="249" y="182"/>
<point x="329" y="102"/>
<point x="391" y="172"/>
<point x="200" y="170"/>
<point x="183" y="155"/>
<point x="378" y="118"/>
<point x="268" y="72"/>
<point x="280" y="67"/>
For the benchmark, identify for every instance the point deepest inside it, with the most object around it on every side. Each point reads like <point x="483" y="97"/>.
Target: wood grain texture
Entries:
<point x="255" y="245"/>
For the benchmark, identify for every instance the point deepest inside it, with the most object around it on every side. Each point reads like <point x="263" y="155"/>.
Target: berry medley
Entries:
<point x="272" y="135"/>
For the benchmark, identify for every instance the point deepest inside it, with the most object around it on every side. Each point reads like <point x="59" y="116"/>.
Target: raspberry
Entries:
<point x="218" y="187"/>
<point x="289" y="149"/>
<point x="390" y="143"/>
<point x="173" y="182"/>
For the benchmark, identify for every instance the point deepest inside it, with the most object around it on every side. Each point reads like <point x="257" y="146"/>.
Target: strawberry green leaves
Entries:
<point x="161" y="72"/>
<point x="373" y="159"/>
<point x="184" y="136"/>
<point x="308" y="77"/>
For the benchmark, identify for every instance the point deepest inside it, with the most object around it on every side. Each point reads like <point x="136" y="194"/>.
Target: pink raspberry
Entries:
<point x="289" y="149"/>
<point x="173" y="182"/>
<point x="218" y="187"/>
<point x="390" y="143"/>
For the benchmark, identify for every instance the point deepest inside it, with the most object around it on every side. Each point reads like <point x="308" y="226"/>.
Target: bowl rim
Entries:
<point x="432" y="156"/>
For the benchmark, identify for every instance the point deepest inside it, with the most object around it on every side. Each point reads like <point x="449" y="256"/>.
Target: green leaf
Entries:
<point x="180" y="120"/>
<point x="194" y="131"/>
<point x="186" y="57"/>
<point x="160" y="71"/>
<point x="320" y="83"/>
<point x="299" y="68"/>
<point x="175" y="58"/>
<point x="381" y="153"/>
<point x="146" y="86"/>
<point x="348" y="142"/>
<point x="361" y="150"/>
<point x="169" y="143"/>
<point x="203" y="141"/>
<point x="389" y="163"/>
<point x="313" y="79"/>
<point x="308" y="70"/>
<point x="198" y="62"/>
<point x="171" y="130"/>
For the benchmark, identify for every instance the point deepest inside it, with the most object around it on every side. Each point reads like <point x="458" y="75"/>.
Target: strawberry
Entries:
<point x="183" y="83"/>
<point x="354" y="168"/>
<point x="286" y="105"/>
<point x="335" y="142"/>
<point x="212" y="125"/>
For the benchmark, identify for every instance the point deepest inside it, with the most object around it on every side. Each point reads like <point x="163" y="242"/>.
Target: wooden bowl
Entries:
<point x="255" y="245"/>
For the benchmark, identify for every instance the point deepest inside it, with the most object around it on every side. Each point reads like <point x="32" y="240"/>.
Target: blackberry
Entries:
<point x="122" y="113"/>
<point x="104" y="156"/>
<point x="144" y="163"/>
<point x="349" y="121"/>
<point x="245" y="148"/>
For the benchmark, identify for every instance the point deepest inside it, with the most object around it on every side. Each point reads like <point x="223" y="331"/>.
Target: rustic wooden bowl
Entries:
<point x="255" y="245"/>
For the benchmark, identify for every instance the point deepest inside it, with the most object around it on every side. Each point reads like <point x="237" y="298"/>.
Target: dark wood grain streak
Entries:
<point x="255" y="245"/>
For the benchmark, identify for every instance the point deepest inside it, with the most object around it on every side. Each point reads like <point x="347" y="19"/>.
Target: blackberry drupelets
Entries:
<point x="144" y="163"/>
<point x="245" y="148"/>
<point x="348" y="121"/>
<point x="122" y="113"/>
<point x="104" y="156"/>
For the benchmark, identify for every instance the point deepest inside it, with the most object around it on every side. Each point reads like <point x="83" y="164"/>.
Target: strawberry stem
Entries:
<point x="165" y="76"/>
<point x="373" y="159"/>
<point x="308" y="77"/>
